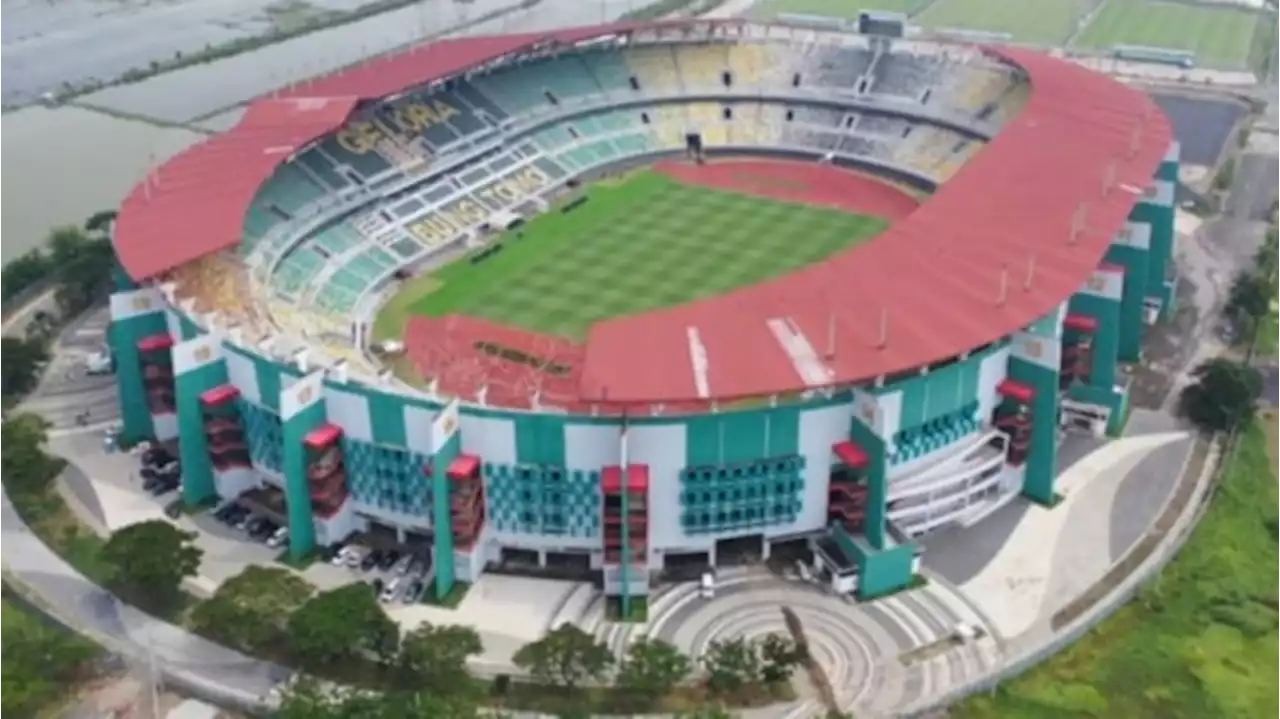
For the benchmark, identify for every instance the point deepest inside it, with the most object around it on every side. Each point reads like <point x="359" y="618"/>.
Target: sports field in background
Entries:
<point x="834" y="8"/>
<point x="646" y="242"/>
<point x="1220" y="35"/>
<point x="1048" y="22"/>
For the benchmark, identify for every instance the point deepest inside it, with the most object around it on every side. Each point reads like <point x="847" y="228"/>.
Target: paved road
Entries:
<point x="121" y="628"/>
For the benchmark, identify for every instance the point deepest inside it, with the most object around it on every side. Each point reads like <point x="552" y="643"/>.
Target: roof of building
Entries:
<point x="1019" y="228"/>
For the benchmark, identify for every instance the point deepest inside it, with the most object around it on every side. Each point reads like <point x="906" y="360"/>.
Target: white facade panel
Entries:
<point x="174" y="324"/>
<point x="492" y="439"/>
<point x="417" y="428"/>
<point x="232" y="483"/>
<point x="991" y="372"/>
<point x="663" y="448"/>
<point x="133" y="303"/>
<point x="1043" y="351"/>
<point x="820" y="429"/>
<point x="195" y="353"/>
<point x="349" y="411"/>
<point x="592" y="446"/>
<point x="300" y="394"/>
<point x="241" y="373"/>
<point x="890" y="404"/>
<point x="166" y="426"/>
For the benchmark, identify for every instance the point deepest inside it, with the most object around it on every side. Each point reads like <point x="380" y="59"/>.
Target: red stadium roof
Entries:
<point x="928" y="288"/>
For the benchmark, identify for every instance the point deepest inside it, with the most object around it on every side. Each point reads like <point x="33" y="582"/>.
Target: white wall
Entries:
<point x="231" y="483"/>
<point x="820" y="429"/>
<point x="349" y="411"/>
<point x="663" y="449"/>
<point x="240" y="372"/>
<point x="592" y="446"/>
<point x="166" y="426"/>
<point x="418" y="422"/>
<point x="492" y="439"/>
<point x="991" y="372"/>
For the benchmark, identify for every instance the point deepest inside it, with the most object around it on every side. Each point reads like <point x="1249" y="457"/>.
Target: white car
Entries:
<point x="392" y="589"/>
<point x="278" y="537"/>
<point x="356" y="556"/>
<point x="340" y="556"/>
<point x="707" y="590"/>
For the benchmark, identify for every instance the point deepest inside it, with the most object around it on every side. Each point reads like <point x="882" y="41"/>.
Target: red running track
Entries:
<point x="800" y="182"/>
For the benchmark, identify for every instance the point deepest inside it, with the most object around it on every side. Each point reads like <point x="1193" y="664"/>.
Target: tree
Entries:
<point x="434" y="658"/>
<point x="251" y="610"/>
<point x="565" y="657"/>
<point x="26" y="467"/>
<point x="652" y="668"/>
<point x="307" y="698"/>
<point x="731" y="664"/>
<point x="100" y="223"/>
<point x="23" y="360"/>
<point x="23" y="272"/>
<point x="149" y="560"/>
<point x="780" y="655"/>
<point x="1223" y="395"/>
<point x="342" y="624"/>
<point x="82" y="266"/>
<point x="1250" y="298"/>
<point x="39" y="661"/>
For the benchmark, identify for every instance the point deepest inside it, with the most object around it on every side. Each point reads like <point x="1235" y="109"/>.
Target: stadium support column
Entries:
<point x="446" y="442"/>
<point x="885" y="556"/>
<point x="198" y="366"/>
<point x="302" y="409"/>
<point x="1098" y="304"/>
<point x="1161" y="208"/>
<point x="1130" y="250"/>
<point x="1035" y="361"/>
<point x="135" y="315"/>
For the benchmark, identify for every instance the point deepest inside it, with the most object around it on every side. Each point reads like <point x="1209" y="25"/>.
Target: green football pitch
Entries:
<point x="645" y="242"/>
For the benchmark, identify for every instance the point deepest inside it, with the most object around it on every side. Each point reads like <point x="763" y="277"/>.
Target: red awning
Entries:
<point x="1080" y="323"/>
<point x="323" y="436"/>
<point x="638" y="478"/>
<point x="851" y="455"/>
<point x="220" y="395"/>
<point x="155" y="343"/>
<point x="1015" y="390"/>
<point x="611" y="480"/>
<point x="464" y="466"/>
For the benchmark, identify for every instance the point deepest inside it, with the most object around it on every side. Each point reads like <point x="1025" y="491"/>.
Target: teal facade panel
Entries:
<point x="135" y="414"/>
<point x="386" y="418"/>
<point x="297" y="490"/>
<point x="1134" y="261"/>
<point x="1042" y="455"/>
<point x="442" y="516"/>
<point x="197" y="472"/>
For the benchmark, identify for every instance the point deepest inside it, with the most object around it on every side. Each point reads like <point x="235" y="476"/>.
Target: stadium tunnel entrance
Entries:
<point x="565" y="564"/>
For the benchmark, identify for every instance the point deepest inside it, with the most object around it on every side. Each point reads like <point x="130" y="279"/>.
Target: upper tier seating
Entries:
<point x="905" y="75"/>
<point x="835" y="66"/>
<point x="539" y="84"/>
<point x="702" y="67"/>
<point x="655" y="69"/>
<point x="321" y="281"/>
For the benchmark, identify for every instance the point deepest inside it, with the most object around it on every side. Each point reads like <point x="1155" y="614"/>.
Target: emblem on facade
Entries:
<point x="203" y="354"/>
<point x="141" y="303"/>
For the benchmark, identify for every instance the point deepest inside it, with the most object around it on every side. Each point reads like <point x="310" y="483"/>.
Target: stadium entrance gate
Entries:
<point x="1084" y="417"/>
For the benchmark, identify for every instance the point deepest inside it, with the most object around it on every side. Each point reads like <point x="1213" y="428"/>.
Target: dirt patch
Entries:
<point x="1145" y="546"/>
<point x="800" y="182"/>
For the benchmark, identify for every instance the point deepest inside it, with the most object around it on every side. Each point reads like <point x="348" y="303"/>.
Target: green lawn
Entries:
<point x="647" y="242"/>
<point x="1199" y="643"/>
<point x="834" y="8"/>
<point x="1038" y="21"/>
<point x="1216" y="35"/>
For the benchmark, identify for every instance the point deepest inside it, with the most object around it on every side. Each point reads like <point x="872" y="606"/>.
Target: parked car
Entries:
<point x="414" y="593"/>
<point x="388" y="559"/>
<point x="370" y="561"/>
<point x="357" y="557"/>
<point x="402" y="565"/>
<point x="157" y="455"/>
<point x="264" y="531"/>
<point x="278" y="537"/>
<point x="341" y="554"/>
<point x="392" y="590"/>
<point x="378" y="585"/>
<point x="173" y="510"/>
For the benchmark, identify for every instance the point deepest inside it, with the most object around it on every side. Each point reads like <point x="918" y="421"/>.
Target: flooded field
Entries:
<point x="47" y="43"/>
<point x="60" y="166"/>
<point x="64" y="164"/>
<point x="225" y="83"/>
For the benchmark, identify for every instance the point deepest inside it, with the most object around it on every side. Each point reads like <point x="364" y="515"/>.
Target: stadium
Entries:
<point x="636" y="300"/>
